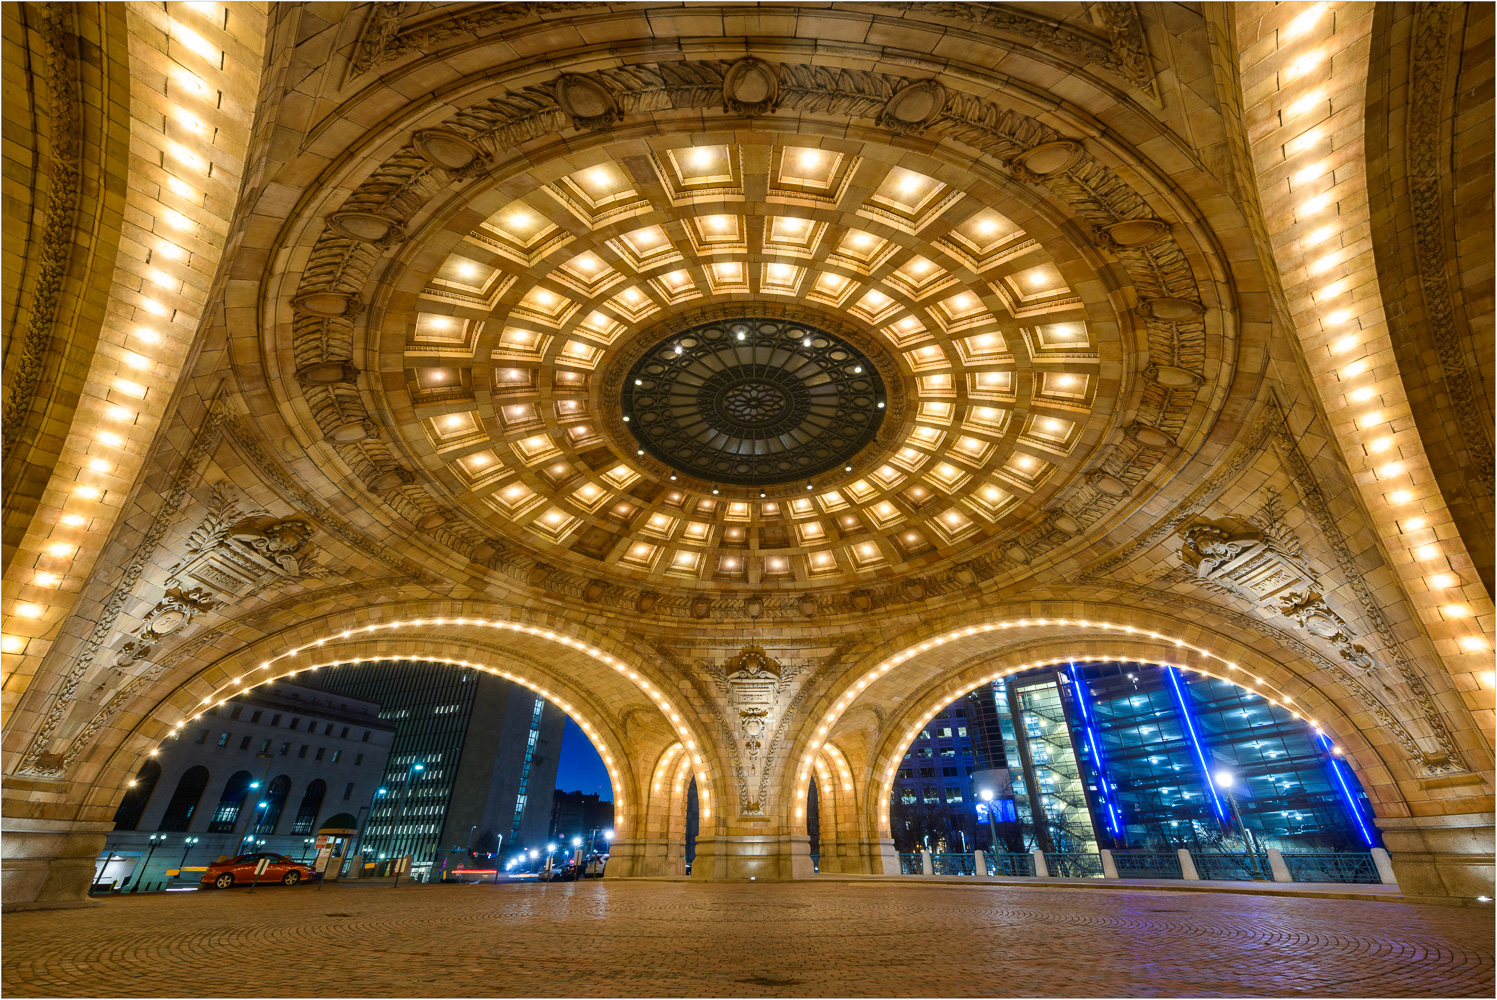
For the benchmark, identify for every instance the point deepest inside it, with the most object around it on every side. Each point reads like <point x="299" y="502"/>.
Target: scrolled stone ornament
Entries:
<point x="392" y="479"/>
<point x="328" y="304"/>
<point x="1171" y="377"/>
<point x="328" y="373"/>
<point x="366" y="227"/>
<point x="1170" y="310"/>
<point x="1049" y="158"/>
<point x="1107" y="484"/>
<point x="353" y="431"/>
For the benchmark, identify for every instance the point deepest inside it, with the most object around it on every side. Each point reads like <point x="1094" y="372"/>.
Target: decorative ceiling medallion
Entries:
<point x="366" y="227"/>
<point x="913" y="108"/>
<point x="1066" y="523"/>
<point x="586" y="101"/>
<point x="1132" y="233"/>
<point x="327" y="304"/>
<point x="1033" y="165"/>
<point x="751" y="87"/>
<point x="449" y="150"/>
<point x="753" y="401"/>
<point x="1170" y="310"/>
<point x="328" y="373"/>
<point x="432" y="521"/>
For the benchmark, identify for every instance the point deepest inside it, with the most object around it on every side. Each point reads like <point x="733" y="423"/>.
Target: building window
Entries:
<point x="311" y="804"/>
<point x="244" y="743"/>
<point x="230" y="802"/>
<point x="202" y="736"/>
<point x="275" y="720"/>
<point x="348" y="792"/>
<point x="285" y="748"/>
<point x="927" y="772"/>
<point x="269" y="814"/>
<point x="264" y="746"/>
<point x="320" y="752"/>
<point x="295" y="723"/>
<point x="304" y="749"/>
<point x="127" y="816"/>
<point x="358" y="759"/>
<point x="184" y="800"/>
<point x="950" y="772"/>
<point x="235" y="713"/>
<point x="256" y="716"/>
<point x="925" y="734"/>
<point x="336" y="755"/>
<point x="948" y="751"/>
<point x="329" y="730"/>
<point x="961" y="731"/>
<point x="344" y="735"/>
<point x="223" y="739"/>
<point x="952" y="795"/>
<point x="366" y="736"/>
<point x="907" y="772"/>
<point x="945" y="732"/>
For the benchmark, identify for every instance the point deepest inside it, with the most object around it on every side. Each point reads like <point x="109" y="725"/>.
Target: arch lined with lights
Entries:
<point x="342" y="648"/>
<point x="884" y="757"/>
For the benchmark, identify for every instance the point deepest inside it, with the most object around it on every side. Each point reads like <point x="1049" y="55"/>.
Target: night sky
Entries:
<point x="581" y="769"/>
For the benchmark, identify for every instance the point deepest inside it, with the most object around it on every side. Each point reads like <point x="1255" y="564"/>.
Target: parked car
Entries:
<point x="241" y="871"/>
<point x="565" y="872"/>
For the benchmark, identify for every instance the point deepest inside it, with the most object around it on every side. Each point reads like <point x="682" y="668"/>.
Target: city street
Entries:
<point x="798" y="939"/>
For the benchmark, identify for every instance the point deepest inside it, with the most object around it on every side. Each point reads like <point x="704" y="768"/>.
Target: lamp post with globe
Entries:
<point x="1224" y="780"/>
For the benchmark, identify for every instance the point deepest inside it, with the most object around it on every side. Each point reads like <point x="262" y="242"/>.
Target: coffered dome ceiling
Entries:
<point x="778" y="352"/>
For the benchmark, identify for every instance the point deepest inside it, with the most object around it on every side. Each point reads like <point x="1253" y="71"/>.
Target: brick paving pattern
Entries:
<point x="803" y="939"/>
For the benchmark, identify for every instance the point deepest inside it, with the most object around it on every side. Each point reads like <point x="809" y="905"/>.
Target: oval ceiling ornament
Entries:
<point x="366" y="227"/>
<point x="1170" y="310"/>
<point x="751" y="87"/>
<point x="1033" y="165"/>
<point x="1108" y="485"/>
<point x="587" y="102"/>
<point x="1066" y="523"/>
<point x="1171" y="377"/>
<point x="1149" y="437"/>
<point x="328" y="373"/>
<point x="432" y="521"/>
<point x="392" y="479"/>
<point x="1132" y="233"/>
<point x="327" y="304"/>
<point x="913" y="108"/>
<point x="450" y="150"/>
<point x="353" y="432"/>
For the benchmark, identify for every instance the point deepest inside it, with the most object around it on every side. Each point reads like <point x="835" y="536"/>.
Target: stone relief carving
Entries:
<point x="174" y="612"/>
<point x="1257" y="569"/>
<point x="1428" y="61"/>
<point x="55" y="247"/>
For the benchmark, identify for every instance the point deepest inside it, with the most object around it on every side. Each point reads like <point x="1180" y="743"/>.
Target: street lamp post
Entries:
<point x="987" y="797"/>
<point x="358" y="841"/>
<point x="404" y="790"/>
<point x="1224" y="781"/>
<point x="259" y="787"/>
<point x="187" y="843"/>
<point x="157" y="840"/>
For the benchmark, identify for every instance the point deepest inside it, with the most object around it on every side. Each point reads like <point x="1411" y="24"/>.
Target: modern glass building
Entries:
<point x="1126" y="755"/>
<point x="470" y="752"/>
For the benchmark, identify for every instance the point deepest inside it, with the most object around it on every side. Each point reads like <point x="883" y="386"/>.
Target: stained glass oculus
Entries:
<point x="753" y="401"/>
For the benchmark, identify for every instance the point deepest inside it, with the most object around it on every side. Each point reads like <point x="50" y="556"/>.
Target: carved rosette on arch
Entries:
<point x="586" y="102"/>
<point x="450" y="150"/>
<point x="913" y="108"/>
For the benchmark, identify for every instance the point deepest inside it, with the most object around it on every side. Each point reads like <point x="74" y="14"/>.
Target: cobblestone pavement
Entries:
<point x="800" y="939"/>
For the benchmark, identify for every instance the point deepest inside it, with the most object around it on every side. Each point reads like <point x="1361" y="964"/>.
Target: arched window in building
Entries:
<point x="275" y="801"/>
<point x="311" y="805"/>
<point x="184" y="800"/>
<point x="226" y="816"/>
<point x="127" y="816"/>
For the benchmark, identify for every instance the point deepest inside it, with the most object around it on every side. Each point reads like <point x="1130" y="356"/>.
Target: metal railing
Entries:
<point x="1231" y="867"/>
<point x="1147" y="864"/>
<point x="1074" y="865"/>
<point x="909" y="864"/>
<point x="1012" y="865"/>
<point x="1347" y="866"/>
<point x="953" y="864"/>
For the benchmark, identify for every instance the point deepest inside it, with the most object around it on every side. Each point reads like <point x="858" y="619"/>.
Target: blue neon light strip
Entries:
<point x="1113" y="820"/>
<point x="1195" y="741"/>
<point x="1351" y="799"/>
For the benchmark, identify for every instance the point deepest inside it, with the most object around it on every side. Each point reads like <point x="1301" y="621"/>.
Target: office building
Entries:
<point x="472" y="764"/>
<point x="263" y="771"/>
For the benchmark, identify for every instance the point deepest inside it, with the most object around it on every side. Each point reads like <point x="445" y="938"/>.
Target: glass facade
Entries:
<point x="430" y="705"/>
<point x="1127" y="755"/>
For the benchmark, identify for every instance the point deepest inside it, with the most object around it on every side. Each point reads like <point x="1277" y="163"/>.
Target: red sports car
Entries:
<point x="241" y="871"/>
